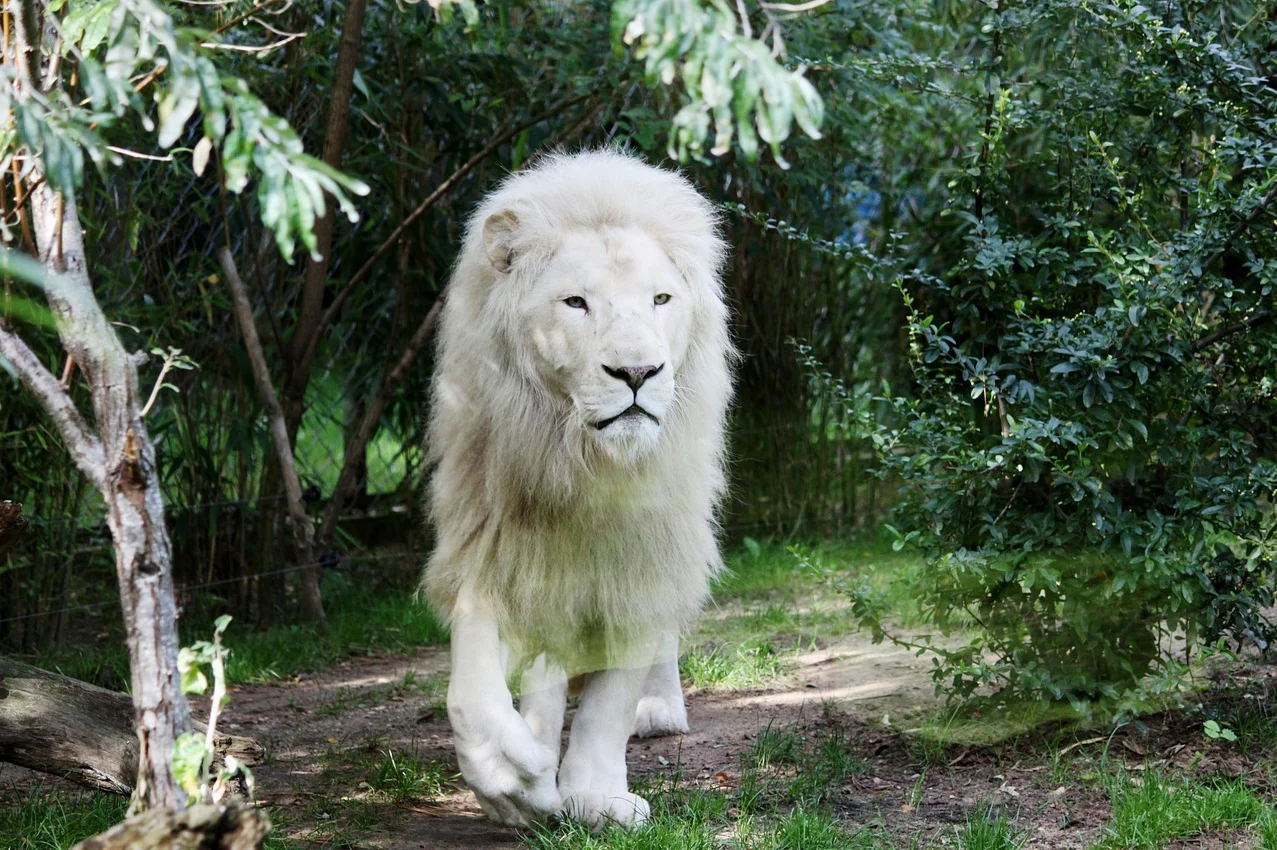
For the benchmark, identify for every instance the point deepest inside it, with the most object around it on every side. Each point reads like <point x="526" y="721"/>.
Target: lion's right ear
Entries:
<point x="498" y="238"/>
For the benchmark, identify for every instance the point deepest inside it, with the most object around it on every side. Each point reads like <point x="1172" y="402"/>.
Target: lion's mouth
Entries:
<point x="632" y="410"/>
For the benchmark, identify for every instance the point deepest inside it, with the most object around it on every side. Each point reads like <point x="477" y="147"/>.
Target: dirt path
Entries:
<point x="329" y="733"/>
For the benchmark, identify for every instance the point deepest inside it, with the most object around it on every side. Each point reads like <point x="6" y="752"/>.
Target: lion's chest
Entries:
<point x="605" y="573"/>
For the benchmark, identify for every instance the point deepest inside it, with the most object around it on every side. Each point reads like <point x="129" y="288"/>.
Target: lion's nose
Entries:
<point x="633" y="376"/>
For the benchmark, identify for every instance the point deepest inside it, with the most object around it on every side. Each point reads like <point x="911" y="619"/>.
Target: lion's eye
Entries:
<point x="576" y="302"/>
<point x="663" y="298"/>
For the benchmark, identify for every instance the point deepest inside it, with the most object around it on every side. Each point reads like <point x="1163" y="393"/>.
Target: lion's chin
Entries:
<point x="627" y="440"/>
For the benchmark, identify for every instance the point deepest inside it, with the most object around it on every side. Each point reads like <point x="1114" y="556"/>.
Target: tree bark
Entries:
<point x="303" y="529"/>
<point x="234" y="826"/>
<point x="68" y="728"/>
<point x="135" y="510"/>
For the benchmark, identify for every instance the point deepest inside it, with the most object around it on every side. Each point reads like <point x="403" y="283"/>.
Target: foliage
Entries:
<point x="110" y="45"/>
<point x="730" y="79"/>
<point x="1085" y="438"/>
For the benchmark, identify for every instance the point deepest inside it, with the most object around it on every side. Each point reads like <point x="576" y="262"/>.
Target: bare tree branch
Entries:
<point x="303" y="530"/>
<point x="1250" y="321"/>
<point x="358" y="441"/>
<point x="84" y="446"/>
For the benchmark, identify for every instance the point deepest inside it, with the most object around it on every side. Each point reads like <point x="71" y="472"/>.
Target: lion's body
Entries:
<point x="577" y="432"/>
<point x="555" y="537"/>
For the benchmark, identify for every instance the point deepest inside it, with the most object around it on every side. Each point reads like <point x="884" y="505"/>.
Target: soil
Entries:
<point x="325" y="734"/>
<point x="868" y="692"/>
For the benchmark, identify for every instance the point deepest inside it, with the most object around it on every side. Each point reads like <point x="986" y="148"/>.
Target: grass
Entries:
<point x="699" y="820"/>
<point x="719" y="667"/>
<point x="770" y="607"/>
<point x="56" y="820"/>
<point x="400" y="777"/>
<point x="359" y="622"/>
<point x="785" y="768"/>
<point x="983" y="831"/>
<point x="40" y="820"/>
<point x="1150" y="811"/>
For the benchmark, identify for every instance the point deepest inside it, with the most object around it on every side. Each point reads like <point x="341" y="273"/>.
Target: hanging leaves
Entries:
<point x="734" y="86"/>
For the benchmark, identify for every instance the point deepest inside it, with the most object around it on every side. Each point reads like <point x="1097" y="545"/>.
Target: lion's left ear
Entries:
<point x="498" y="238"/>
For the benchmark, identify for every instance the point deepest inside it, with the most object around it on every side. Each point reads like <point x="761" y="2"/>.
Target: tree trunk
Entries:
<point x="298" y="520"/>
<point x="78" y="731"/>
<point x="135" y="511"/>
<point x="202" y="827"/>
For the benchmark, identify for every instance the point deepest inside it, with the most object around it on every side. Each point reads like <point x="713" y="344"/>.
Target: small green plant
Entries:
<point x="193" y="753"/>
<point x="1218" y="732"/>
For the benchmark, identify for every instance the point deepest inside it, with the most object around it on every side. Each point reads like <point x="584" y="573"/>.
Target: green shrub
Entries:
<point x="1085" y="442"/>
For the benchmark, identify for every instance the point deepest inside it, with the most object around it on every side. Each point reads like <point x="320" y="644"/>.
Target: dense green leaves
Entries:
<point x="1087" y="446"/>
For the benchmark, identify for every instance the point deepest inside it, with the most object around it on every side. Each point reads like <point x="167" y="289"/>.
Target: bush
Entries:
<point x="1087" y="446"/>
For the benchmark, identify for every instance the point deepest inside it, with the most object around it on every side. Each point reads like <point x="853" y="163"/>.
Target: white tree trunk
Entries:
<point x="124" y="472"/>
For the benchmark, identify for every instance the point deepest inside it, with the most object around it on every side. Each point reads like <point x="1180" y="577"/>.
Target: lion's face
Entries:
<point x="605" y="325"/>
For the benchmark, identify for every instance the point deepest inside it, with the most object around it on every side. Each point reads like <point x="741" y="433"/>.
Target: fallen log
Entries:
<point x="202" y="827"/>
<point x="68" y="728"/>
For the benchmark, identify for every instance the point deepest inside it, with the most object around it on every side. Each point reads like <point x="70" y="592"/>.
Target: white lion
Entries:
<point x="583" y="378"/>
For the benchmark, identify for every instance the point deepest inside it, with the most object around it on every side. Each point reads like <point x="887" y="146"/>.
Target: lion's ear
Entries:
<point x="498" y="238"/>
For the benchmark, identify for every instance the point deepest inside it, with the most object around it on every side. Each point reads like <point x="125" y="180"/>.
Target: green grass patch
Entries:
<point x="1152" y="810"/>
<point x="39" y="820"/>
<point x="721" y="667"/>
<point x="771" y="606"/>
<point x="983" y="722"/>
<point x="768" y="570"/>
<point x="359" y="622"/>
<point x="986" y="831"/>
<point x="400" y="777"/>
<point x="785" y="768"/>
<point x="57" y="820"/>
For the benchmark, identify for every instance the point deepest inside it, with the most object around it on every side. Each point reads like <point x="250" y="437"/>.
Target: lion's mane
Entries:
<point x="570" y="553"/>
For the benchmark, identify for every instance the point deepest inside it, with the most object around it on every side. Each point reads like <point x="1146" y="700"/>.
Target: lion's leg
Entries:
<point x="543" y="701"/>
<point x="510" y="771"/>
<point x="592" y="778"/>
<point x="661" y="709"/>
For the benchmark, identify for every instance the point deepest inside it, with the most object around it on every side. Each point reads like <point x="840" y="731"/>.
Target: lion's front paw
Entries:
<point x="656" y="717"/>
<point x="511" y="774"/>
<point x="597" y="809"/>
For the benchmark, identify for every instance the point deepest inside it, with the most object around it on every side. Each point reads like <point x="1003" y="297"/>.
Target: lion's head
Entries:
<point x="595" y="279"/>
<point x="602" y="324"/>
